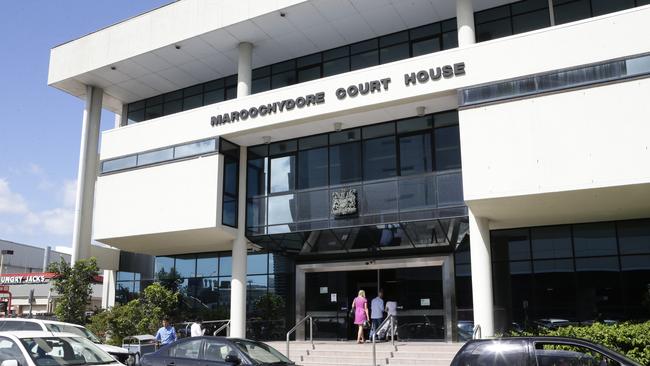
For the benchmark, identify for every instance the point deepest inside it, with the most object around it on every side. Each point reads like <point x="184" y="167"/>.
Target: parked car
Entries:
<point x="540" y="351"/>
<point x="18" y="324"/>
<point x="41" y="348"/>
<point x="215" y="351"/>
<point x="552" y="323"/>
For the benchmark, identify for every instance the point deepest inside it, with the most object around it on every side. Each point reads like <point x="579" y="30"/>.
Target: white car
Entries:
<point x="39" y="348"/>
<point x="22" y="324"/>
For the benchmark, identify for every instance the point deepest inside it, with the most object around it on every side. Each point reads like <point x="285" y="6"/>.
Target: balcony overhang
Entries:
<point x="191" y="41"/>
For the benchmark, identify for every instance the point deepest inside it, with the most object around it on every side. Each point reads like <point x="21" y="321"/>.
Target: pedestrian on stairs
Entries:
<point x="360" y="308"/>
<point x="376" y="313"/>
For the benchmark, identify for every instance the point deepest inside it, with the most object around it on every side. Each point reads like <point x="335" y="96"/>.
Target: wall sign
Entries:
<point x="433" y="74"/>
<point x="26" y="278"/>
<point x="344" y="202"/>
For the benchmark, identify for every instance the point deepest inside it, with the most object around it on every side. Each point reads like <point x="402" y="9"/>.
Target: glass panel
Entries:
<point x="214" y="96"/>
<point x="125" y="276"/>
<point x="135" y="106"/>
<point x="530" y="21"/>
<point x="552" y="242"/>
<point x="282" y="147"/>
<point x="528" y="5"/>
<point x="256" y="212"/>
<point x="308" y="74"/>
<point x="335" y="67"/>
<point x="636" y="66"/>
<point x="425" y="31"/>
<point x="510" y="245"/>
<point x="492" y="14"/>
<point x="417" y="193"/>
<point x="172" y="107"/>
<point x="414" y="124"/>
<point x="193" y="90"/>
<point x="283" y="79"/>
<point x="609" y="264"/>
<point x="261" y="85"/>
<point x="257" y="174"/>
<point x="450" y="189"/>
<point x="600" y="7"/>
<point x="207" y="266"/>
<point x="384" y="129"/>
<point x="230" y="176"/>
<point x="635" y="262"/>
<point x="158" y="99"/>
<point x="594" y="239"/>
<point x="345" y="163"/>
<point x="425" y="46"/>
<point x="504" y="353"/>
<point x="379" y="158"/>
<point x="345" y="136"/>
<point x="571" y="11"/>
<point x="118" y="164"/>
<point x="313" y="205"/>
<point x="225" y="266"/>
<point x="283" y="170"/>
<point x="493" y="30"/>
<point x="213" y="85"/>
<point x="192" y="102"/>
<point x="312" y="168"/>
<point x="256" y="263"/>
<point x="312" y="142"/>
<point x="195" y="148"/>
<point x="336" y="53"/>
<point x="363" y="60"/>
<point x="152" y="112"/>
<point x="135" y="116"/>
<point x="186" y="266"/>
<point x="308" y="60"/>
<point x="379" y="198"/>
<point x="281" y="209"/>
<point x="449" y="40"/>
<point x="415" y="154"/>
<point x="231" y="92"/>
<point x="363" y="46"/>
<point x="394" y="53"/>
<point x="447" y="145"/>
<point x="283" y="66"/>
<point x="634" y="236"/>
<point x="163" y="265"/>
<point x="229" y="213"/>
<point x="207" y="292"/>
<point x="394" y="38"/>
<point x="177" y="94"/>
<point x="155" y="156"/>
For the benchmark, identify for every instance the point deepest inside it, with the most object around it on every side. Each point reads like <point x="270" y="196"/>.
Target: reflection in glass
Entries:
<point x="225" y="266"/>
<point x="312" y="169"/>
<point x="417" y="193"/>
<point x="447" y="144"/>
<point x="155" y="156"/>
<point x="415" y="154"/>
<point x="257" y="174"/>
<point x="118" y="164"/>
<point x="313" y="205"/>
<point x="379" y="160"/>
<point x="195" y="148"/>
<point x="345" y="163"/>
<point x="207" y="266"/>
<point x="594" y="239"/>
<point x="634" y="236"/>
<point x="551" y="242"/>
<point x="281" y="209"/>
<point x="256" y="263"/>
<point x="380" y="198"/>
<point x="283" y="173"/>
<point x="186" y="266"/>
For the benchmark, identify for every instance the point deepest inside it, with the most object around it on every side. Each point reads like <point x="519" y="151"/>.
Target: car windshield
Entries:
<point x="78" y="330"/>
<point x="64" y="351"/>
<point x="261" y="353"/>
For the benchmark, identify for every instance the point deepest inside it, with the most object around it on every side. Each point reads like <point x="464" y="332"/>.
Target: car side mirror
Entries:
<point x="9" y="363"/>
<point x="230" y="358"/>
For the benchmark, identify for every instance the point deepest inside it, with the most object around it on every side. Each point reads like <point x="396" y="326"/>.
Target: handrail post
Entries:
<point x="311" y="331"/>
<point x="392" y="330"/>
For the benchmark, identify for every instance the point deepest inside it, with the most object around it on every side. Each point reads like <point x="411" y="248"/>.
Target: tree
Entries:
<point x="73" y="284"/>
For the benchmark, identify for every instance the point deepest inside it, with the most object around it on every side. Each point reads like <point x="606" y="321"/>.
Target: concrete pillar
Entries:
<point x="244" y="69"/>
<point x="46" y="257"/>
<point x="479" y="240"/>
<point x="465" y="22"/>
<point x="87" y="174"/>
<point x="118" y="121"/>
<point x="108" y="289"/>
<point x="239" y="252"/>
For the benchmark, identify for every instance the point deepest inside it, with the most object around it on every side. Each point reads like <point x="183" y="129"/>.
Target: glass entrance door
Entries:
<point x="417" y="291"/>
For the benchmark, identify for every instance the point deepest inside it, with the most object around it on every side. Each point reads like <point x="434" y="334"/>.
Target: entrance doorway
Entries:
<point x="424" y="297"/>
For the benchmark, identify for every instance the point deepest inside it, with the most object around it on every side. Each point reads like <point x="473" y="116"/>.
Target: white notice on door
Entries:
<point x="425" y="302"/>
<point x="323" y="290"/>
<point x="333" y="297"/>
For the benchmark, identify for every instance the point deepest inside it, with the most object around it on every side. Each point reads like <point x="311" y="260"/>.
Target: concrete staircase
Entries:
<point x="350" y="353"/>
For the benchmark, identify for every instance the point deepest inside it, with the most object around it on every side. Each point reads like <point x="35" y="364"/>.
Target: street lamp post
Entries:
<point x="2" y="258"/>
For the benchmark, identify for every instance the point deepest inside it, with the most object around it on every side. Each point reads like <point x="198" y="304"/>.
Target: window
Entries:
<point x="312" y="168"/>
<point x="549" y="353"/>
<point x="345" y="163"/>
<point x="415" y="154"/>
<point x="10" y="351"/>
<point x="379" y="158"/>
<point x="230" y="190"/>
<point x="216" y="351"/>
<point x="283" y="171"/>
<point x="496" y="353"/>
<point x="6" y="325"/>
<point x="189" y="348"/>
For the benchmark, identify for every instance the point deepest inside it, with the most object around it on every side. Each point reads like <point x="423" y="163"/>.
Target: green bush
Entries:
<point x="630" y="339"/>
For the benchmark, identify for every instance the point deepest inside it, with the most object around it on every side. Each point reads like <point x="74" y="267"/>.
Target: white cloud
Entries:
<point x="58" y="221"/>
<point x="69" y="193"/>
<point x="10" y="202"/>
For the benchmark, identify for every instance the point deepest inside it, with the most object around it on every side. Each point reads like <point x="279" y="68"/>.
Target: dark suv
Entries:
<point x="538" y="351"/>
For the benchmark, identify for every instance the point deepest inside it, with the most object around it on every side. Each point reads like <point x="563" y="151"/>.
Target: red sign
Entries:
<point x="4" y="288"/>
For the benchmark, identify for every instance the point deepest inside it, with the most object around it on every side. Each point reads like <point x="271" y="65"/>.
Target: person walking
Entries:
<point x="360" y="308"/>
<point x="195" y="329"/>
<point x="166" y="334"/>
<point x="376" y="313"/>
<point x="391" y="309"/>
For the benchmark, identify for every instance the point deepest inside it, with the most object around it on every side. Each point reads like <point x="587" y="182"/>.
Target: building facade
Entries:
<point x="478" y="160"/>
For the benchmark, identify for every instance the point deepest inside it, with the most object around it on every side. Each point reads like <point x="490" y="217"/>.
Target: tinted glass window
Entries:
<point x="569" y="11"/>
<point x="283" y="79"/>
<point x="192" y="102"/>
<point x="155" y="156"/>
<point x="256" y="263"/>
<point x="194" y="148"/>
<point x="310" y="73"/>
<point x="188" y="349"/>
<point x="363" y="60"/>
<point x="207" y="266"/>
<point x="634" y="236"/>
<point x="118" y="164"/>
<point x="600" y="7"/>
<point x="379" y="160"/>
<point x="6" y="326"/>
<point x="257" y="173"/>
<point x="312" y="169"/>
<point x="337" y="66"/>
<point x="225" y="266"/>
<point x="425" y="46"/>
<point x="594" y="239"/>
<point x="216" y="351"/>
<point x="415" y="154"/>
<point x="552" y="242"/>
<point x="345" y="163"/>
<point x="186" y="266"/>
<point x="552" y="354"/>
<point x="394" y="53"/>
<point x="9" y="350"/>
<point x="510" y="245"/>
<point x="447" y="145"/>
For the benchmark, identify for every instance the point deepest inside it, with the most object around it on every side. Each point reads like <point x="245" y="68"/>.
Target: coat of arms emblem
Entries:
<point x="344" y="202"/>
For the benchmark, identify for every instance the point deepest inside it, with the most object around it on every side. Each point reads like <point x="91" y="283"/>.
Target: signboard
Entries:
<point x="35" y="278"/>
<point x="344" y="202"/>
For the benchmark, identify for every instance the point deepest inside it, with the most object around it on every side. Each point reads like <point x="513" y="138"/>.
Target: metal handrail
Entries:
<point x="477" y="331"/>
<point x="311" y="331"/>
<point x="374" y="336"/>
<point x="227" y="326"/>
<point x="189" y="324"/>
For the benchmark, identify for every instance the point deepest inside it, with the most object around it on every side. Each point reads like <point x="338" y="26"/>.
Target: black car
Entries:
<point x="539" y="351"/>
<point x="215" y="351"/>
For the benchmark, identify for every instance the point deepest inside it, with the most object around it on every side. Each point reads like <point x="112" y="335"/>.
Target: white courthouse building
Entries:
<point x="478" y="160"/>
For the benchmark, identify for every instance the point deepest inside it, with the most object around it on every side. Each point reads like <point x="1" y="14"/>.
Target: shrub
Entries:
<point x="630" y="339"/>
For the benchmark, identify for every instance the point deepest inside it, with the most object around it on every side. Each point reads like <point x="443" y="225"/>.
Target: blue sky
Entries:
<point x="40" y="126"/>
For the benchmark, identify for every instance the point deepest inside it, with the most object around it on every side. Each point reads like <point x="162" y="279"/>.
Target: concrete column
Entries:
<point x="244" y="69"/>
<point x="239" y="252"/>
<point x="108" y="289"/>
<point x="449" y="296"/>
<point x="87" y="174"/>
<point x="46" y="257"/>
<point x="465" y="22"/>
<point x="479" y="240"/>
<point x="118" y="121"/>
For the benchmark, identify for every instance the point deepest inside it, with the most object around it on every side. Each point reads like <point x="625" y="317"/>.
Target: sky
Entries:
<point x="40" y="126"/>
